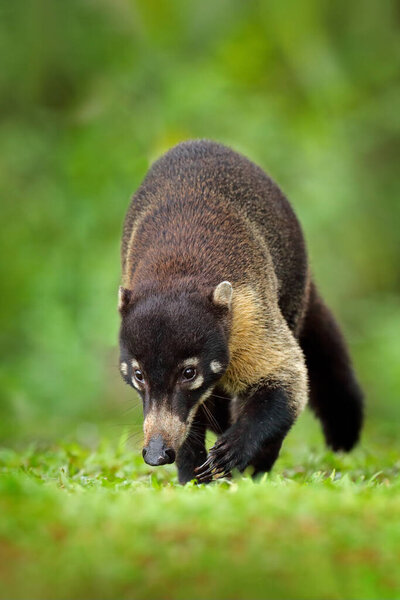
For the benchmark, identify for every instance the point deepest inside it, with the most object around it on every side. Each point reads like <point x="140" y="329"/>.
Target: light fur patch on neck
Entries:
<point x="262" y="348"/>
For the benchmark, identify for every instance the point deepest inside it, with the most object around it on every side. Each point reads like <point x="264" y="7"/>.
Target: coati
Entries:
<point x="222" y="326"/>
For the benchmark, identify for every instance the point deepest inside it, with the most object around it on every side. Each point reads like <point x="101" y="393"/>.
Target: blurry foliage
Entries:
<point x="92" y="92"/>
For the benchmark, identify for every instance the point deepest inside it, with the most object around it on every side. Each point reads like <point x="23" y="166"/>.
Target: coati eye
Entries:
<point x="138" y="375"/>
<point x="188" y="374"/>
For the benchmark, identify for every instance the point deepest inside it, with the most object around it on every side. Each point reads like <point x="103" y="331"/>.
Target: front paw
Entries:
<point x="228" y="453"/>
<point x="187" y="465"/>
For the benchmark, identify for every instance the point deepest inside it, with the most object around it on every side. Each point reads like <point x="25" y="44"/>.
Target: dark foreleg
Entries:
<point x="213" y="414"/>
<point x="264" y="419"/>
<point x="193" y="451"/>
<point x="264" y="460"/>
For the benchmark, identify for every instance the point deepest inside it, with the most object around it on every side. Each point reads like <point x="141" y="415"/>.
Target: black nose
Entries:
<point x="156" y="453"/>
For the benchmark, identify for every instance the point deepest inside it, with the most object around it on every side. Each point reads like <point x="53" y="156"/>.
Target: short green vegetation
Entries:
<point x="88" y="524"/>
<point x="90" y="94"/>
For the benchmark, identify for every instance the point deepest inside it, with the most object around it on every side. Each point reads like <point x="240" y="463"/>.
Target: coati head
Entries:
<point x="174" y="349"/>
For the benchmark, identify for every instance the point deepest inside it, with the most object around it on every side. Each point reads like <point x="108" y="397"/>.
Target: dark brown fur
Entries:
<point x="198" y="189"/>
<point x="205" y="214"/>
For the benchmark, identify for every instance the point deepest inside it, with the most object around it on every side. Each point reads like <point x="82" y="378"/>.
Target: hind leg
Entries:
<point x="335" y="395"/>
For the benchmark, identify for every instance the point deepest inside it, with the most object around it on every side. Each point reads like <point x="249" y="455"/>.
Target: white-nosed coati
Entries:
<point x="220" y="320"/>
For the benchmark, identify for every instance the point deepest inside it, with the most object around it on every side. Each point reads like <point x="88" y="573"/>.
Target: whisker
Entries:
<point x="212" y="419"/>
<point x="197" y="433"/>
<point x="196" y="436"/>
<point x="222" y="397"/>
<point x="133" y="438"/>
<point x="129" y="410"/>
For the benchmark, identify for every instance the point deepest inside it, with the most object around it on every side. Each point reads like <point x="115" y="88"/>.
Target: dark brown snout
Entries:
<point x="157" y="453"/>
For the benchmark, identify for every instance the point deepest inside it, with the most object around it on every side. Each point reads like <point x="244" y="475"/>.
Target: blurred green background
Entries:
<point x="92" y="92"/>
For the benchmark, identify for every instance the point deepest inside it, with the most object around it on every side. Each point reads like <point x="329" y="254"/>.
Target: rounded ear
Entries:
<point x="124" y="298"/>
<point x="222" y="294"/>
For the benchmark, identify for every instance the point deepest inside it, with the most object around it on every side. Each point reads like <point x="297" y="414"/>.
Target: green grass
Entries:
<point x="80" y="523"/>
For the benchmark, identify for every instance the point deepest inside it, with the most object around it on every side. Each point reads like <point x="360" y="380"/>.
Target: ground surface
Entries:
<point x="84" y="524"/>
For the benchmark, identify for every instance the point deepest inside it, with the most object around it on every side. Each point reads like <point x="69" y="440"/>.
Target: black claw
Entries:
<point x="204" y="476"/>
<point x="219" y="463"/>
<point x="205" y="472"/>
<point x="204" y="465"/>
<point x="201" y="473"/>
